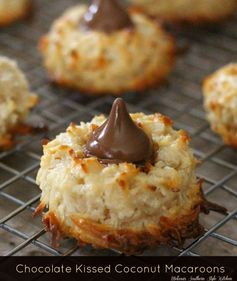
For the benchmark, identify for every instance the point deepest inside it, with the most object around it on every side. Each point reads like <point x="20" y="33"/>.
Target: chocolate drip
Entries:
<point x="106" y="16"/>
<point x="119" y="139"/>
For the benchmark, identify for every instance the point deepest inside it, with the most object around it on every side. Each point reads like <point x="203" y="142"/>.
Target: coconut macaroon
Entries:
<point x="220" y="101"/>
<point x="13" y="10"/>
<point x="194" y="11"/>
<point x="16" y="100"/>
<point x="127" y="183"/>
<point x="107" y="51"/>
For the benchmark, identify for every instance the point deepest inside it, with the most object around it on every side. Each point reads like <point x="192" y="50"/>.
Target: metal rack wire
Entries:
<point x="180" y="98"/>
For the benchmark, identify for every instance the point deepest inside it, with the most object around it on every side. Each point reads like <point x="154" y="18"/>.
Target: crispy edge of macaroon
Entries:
<point x="168" y="231"/>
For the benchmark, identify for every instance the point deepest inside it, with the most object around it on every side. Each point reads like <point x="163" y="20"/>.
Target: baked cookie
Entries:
<point x="13" y="10"/>
<point x="16" y="100"/>
<point x="107" y="51"/>
<point x="194" y="11"/>
<point x="220" y="101"/>
<point x="127" y="183"/>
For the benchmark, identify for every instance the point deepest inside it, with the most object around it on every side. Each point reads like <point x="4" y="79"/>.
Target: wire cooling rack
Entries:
<point x="180" y="98"/>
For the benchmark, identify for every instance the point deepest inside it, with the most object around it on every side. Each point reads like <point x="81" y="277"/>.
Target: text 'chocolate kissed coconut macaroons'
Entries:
<point x="13" y="10"/>
<point x="16" y="100"/>
<point x="126" y="182"/>
<point x="104" y="49"/>
<point x="193" y="11"/>
<point x="220" y="101"/>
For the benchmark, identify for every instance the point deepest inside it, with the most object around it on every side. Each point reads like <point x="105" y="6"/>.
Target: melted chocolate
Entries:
<point x="119" y="139"/>
<point x="106" y="16"/>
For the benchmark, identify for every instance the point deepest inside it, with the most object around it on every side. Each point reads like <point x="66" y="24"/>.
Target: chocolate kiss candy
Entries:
<point x="119" y="139"/>
<point x="106" y="16"/>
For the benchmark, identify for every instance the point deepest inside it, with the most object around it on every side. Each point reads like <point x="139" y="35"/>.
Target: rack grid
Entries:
<point x="180" y="98"/>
